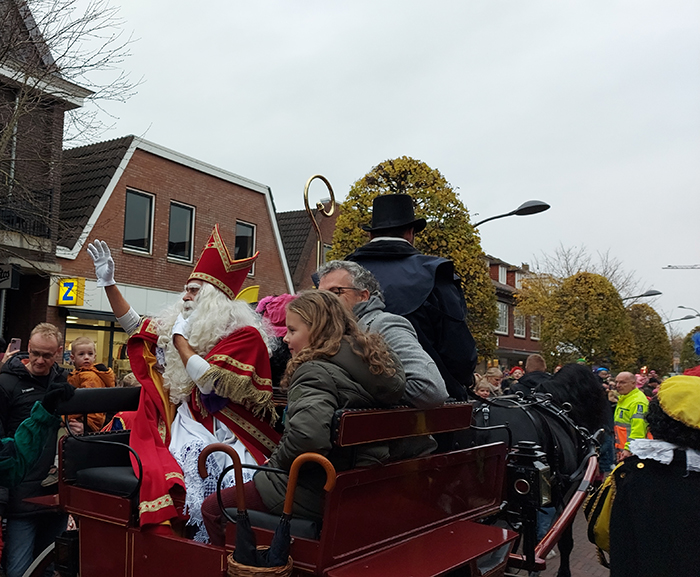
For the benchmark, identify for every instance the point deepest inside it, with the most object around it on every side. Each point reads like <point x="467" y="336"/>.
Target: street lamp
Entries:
<point x="685" y="318"/>
<point x="525" y="209"/>
<point x="689" y="309"/>
<point x="649" y="293"/>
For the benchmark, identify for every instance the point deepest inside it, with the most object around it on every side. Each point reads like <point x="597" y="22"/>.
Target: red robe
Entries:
<point x="240" y="367"/>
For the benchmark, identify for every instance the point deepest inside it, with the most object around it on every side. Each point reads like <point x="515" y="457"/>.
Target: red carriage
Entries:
<point x="420" y="516"/>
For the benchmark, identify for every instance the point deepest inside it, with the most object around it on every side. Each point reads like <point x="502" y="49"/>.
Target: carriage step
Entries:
<point x="437" y="552"/>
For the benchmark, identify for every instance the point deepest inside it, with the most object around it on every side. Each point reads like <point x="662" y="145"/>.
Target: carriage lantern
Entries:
<point x="529" y="475"/>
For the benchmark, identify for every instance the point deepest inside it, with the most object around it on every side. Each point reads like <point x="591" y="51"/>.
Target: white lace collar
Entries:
<point x="662" y="452"/>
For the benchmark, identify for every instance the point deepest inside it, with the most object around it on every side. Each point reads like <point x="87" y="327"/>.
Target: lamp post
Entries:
<point x="525" y="209"/>
<point x="689" y="309"/>
<point x="685" y="318"/>
<point x="649" y="293"/>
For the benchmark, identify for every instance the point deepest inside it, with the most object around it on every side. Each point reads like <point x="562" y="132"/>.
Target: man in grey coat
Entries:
<point x="360" y="292"/>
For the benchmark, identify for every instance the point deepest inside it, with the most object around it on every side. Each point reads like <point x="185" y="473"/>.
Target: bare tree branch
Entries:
<point x="568" y="261"/>
<point x="60" y="60"/>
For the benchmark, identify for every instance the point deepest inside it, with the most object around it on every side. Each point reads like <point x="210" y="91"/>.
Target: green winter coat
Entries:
<point x="317" y="389"/>
<point x="18" y="454"/>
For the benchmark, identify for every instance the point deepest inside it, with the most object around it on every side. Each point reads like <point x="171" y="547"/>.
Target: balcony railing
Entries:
<point x="26" y="212"/>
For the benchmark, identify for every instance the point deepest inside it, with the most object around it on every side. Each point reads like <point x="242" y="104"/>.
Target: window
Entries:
<point x="535" y="328"/>
<point x="502" y="327"/>
<point x="518" y="325"/>
<point x="518" y="280"/>
<point x="502" y="274"/>
<point x="181" y="231"/>
<point x="138" y="221"/>
<point x="245" y="241"/>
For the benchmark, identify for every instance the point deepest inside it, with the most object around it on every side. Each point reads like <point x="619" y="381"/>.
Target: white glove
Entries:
<point x="181" y="326"/>
<point x="104" y="264"/>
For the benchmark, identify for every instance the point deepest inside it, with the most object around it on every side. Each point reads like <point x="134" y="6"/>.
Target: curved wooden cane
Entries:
<point x="294" y="474"/>
<point x="237" y="468"/>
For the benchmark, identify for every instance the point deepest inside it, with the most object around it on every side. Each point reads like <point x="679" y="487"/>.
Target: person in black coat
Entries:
<point x="535" y="374"/>
<point x="656" y="512"/>
<point x="24" y="379"/>
<point x="424" y="289"/>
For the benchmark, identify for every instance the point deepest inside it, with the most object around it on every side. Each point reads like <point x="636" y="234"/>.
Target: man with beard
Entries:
<point x="205" y="373"/>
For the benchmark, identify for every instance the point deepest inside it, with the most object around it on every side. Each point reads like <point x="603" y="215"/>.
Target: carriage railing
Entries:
<point x="563" y="521"/>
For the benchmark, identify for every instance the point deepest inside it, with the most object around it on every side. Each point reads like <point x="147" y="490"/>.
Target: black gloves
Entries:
<point x="56" y="393"/>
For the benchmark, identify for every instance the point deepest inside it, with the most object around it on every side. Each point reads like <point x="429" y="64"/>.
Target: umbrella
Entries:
<point x="278" y="553"/>
<point x="245" y="552"/>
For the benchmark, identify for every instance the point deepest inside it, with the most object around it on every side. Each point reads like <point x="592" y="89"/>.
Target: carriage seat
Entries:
<point x="356" y="427"/>
<point x="119" y="481"/>
<point x="101" y="467"/>
<point x="303" y="528"/>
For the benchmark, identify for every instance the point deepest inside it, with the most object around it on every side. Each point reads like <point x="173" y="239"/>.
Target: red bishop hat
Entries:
<point x="216" y="266"/>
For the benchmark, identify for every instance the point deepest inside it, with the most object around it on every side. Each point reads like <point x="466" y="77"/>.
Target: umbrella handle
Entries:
<point x="237" y="471"/>
<point x="294" y="475"/>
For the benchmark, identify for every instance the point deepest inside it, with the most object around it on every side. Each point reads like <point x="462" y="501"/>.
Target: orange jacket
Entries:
<point x="95" y="377"/>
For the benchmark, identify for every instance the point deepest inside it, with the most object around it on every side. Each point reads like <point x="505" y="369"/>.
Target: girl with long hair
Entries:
<point x="334" y="365"/>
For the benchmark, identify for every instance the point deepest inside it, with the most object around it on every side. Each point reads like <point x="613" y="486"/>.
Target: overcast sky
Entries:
<point x="591" y="106"/>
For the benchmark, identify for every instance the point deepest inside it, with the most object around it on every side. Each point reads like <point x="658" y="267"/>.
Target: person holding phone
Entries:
<point x="24" y="379"/>
<point x="14" y="346"/>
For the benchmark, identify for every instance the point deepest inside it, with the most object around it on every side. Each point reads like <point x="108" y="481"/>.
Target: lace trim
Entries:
<point x="662" y="452"/>
<point x="199" y="489"/>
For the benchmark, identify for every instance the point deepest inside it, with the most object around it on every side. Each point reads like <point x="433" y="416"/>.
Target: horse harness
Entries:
<point x="541" y="412"/>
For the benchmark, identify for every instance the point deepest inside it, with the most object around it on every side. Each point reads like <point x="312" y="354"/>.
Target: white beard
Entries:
<point x="213" y="316"/>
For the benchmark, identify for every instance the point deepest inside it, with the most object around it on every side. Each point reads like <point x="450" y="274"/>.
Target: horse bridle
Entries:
<point x="543" y="403"/>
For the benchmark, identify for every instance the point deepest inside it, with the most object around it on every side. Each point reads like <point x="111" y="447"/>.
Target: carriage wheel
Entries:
<point x="39" y="565"/>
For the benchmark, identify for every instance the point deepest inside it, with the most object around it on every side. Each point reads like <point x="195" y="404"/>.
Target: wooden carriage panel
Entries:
<point x="484" y="549"/>
<point x="154" y="555"/>
<point x="104" y="549"/>
<point x="375" y="507"/>
<point x="359" y="426"/>
<point x="86" y="503"/>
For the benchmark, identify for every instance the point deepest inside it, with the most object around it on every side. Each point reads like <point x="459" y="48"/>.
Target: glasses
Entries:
<point x="45" y="356"/>
<point x="339" y="290"/>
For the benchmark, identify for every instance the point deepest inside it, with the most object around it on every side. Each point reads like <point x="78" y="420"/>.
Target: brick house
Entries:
<point x="299" y="239"/>
<point x="156" y="209"/>
<point x="517" y="336"/>
<point x="33" y="100"/>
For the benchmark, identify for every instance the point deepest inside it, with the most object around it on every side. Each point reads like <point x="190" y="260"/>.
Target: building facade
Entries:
<point x="155" y="208"/>
<point x="517" y="336"/>
<point x="33" y="100"/>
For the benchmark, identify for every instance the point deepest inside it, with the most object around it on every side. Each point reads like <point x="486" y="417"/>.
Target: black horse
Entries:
<point x="559" y="416"/>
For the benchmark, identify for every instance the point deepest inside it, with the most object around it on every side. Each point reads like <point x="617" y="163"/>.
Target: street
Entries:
<point x="584" y="560"/>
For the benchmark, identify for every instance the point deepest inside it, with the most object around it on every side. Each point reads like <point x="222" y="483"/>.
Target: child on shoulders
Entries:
<point x="88" y="375"/>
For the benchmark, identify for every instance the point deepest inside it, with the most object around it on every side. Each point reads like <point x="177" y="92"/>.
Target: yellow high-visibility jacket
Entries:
<point x="629" y="418"/>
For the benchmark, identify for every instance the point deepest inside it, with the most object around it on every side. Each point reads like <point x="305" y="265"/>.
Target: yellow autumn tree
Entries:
<point x="582" y="317"/>
<point x="448" y="233"/>
<point x="652" y="347"/>
<point x="689" y="358"/>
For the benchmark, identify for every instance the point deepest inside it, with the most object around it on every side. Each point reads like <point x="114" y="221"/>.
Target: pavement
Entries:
<point x="584" y="559"/>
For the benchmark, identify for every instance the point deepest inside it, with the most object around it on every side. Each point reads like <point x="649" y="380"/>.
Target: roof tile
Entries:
<point x="87" y="171"/>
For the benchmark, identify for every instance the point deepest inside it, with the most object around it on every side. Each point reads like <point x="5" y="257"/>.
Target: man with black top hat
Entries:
<point x="424" y="289"/>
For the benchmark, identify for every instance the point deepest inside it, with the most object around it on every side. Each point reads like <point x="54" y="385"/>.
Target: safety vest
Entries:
<point x="629" y="418"/>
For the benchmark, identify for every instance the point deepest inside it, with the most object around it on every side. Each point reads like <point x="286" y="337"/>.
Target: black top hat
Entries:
<point x="393" y="211"/>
